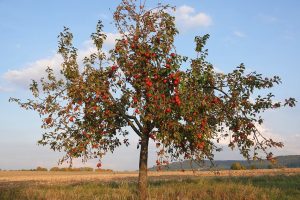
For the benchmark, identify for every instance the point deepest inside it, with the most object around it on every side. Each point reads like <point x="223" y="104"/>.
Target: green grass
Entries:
<point x="231" y="188"/>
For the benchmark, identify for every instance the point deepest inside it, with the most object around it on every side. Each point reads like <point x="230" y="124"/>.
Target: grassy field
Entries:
<point x="231" y="185"/>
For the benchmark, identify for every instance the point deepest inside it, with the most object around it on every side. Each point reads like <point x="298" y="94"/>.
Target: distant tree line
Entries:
<point x="239" y="166"/>
<point x="80" y="169"/>
<point x="65" y="169"/>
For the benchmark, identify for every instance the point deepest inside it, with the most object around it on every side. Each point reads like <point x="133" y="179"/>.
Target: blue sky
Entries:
<point x="262" y="34"/>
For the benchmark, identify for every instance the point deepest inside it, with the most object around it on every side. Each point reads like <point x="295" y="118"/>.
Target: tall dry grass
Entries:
<point x="175" y="187"/>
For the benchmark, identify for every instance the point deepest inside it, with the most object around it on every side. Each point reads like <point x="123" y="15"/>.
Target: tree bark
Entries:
<point x="143" y="169"/>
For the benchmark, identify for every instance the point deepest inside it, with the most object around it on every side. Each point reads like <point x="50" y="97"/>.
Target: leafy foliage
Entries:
<point x="142" y="84"/>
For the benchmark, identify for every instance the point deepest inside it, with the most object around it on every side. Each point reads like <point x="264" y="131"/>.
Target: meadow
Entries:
<point x="232" y="185"/>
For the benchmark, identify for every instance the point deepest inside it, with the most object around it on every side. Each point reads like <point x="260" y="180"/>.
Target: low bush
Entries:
<point x="237" y="166"/>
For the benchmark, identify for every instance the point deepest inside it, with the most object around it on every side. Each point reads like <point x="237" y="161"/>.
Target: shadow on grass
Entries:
<point x="280" y="181"/>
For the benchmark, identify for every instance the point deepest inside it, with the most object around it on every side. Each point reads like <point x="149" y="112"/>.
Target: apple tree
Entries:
<point x="143" y="86"/>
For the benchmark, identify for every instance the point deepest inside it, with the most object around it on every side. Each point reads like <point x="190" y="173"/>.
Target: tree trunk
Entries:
<point x="143" y="177"/>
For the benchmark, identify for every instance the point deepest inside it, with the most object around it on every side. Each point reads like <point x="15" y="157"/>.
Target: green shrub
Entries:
<point x="252" y="167"/>
<point x="237" y="166"/>
<point x="54" y="169"/>
<point x="41" y="169"/>
<point x="69" y="169"/>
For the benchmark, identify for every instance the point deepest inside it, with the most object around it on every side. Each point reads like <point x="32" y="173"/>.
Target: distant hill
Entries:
<point x="290" y="161"/>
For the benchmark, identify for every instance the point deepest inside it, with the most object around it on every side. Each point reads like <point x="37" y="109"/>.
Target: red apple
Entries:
<point x="168" y="110"/>
<point x="71" y="119"/>
<point x="48" y="120"/>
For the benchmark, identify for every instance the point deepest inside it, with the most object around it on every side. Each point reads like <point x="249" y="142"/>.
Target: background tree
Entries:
<point x="41" y="169"/>
<point x="237" y="166"/>
<point x="182" y="104"/>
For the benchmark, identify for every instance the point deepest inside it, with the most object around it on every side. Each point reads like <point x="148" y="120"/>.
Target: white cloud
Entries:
<point x="268" y="18"/>
<point x="111" y="40"/>
<point x="187" y="18"/>
<point x="35" y="70"/>
<point x="291" y="144"/>
<point x="239" y="34"/>
<point x="5" y="89"/>
<point x="268" y="133"/>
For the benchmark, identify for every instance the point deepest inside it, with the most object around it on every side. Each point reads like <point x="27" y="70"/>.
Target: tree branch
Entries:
<point x="136" y="121"/>
<point x="121" y="111"/>
<point x="215" y="88"/>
